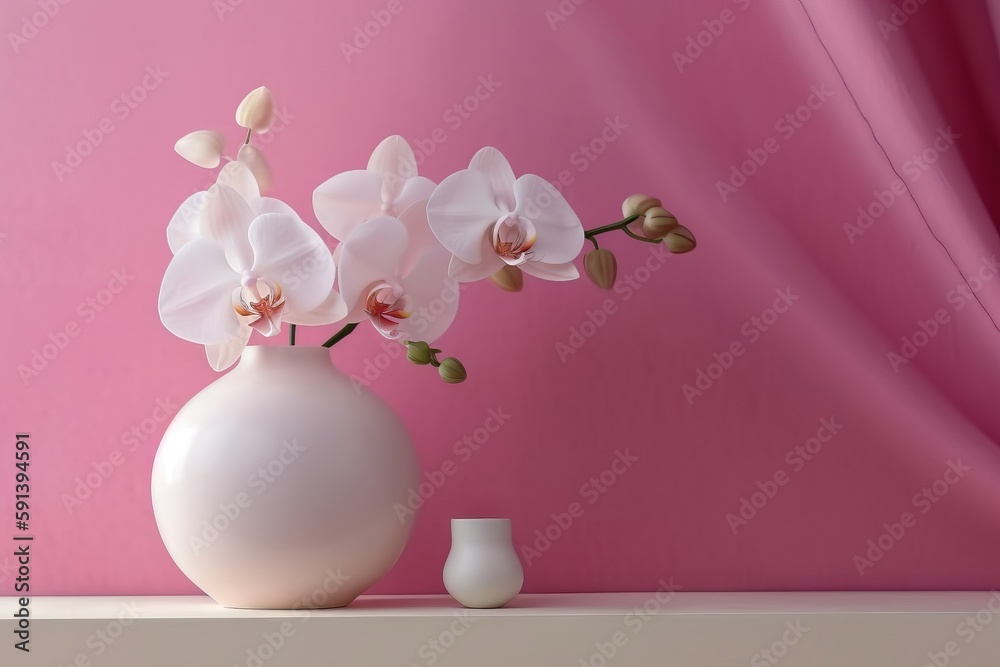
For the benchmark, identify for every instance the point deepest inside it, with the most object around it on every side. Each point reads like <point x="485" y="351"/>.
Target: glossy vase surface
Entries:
<point x="275" y="487"/>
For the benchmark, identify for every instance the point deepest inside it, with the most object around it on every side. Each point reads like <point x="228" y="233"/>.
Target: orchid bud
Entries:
<point x="602" y="267"/>
<point x="452" y="371"/>
<point x="419" y="352"/>
<point x="202" y="147"/>
<point x="256" y="111"/>
<point x="509" y="278"/>
<point x="639" y="204"/>
<point x="680" y="240"/>
<point x="658" y="222"/>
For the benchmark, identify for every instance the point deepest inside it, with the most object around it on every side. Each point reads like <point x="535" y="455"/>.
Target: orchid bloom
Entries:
<point x="245" y="272"/>
<point x="394" y="273"/>
<point x="388" y="186"/>
<point x="487" y="220"/>
<point x="231" y="204"/>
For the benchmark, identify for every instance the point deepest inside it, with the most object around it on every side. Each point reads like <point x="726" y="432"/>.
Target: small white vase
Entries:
<point x="276" y="487"/>
<point x="482" y="570"/>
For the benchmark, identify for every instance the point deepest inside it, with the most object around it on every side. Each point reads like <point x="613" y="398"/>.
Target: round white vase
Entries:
<point x="275" y="487"/>
<point x="482" y="570"/>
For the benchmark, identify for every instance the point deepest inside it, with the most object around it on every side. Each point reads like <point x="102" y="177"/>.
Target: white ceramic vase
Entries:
<point x="275" y="487"/>
<point x="482" y="570"/>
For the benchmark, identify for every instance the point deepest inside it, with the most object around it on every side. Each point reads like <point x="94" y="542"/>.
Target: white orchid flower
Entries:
<point x="488" y="219"/>
<point x="388" y="186"/>
<point x="394" y="273"/>
<point x="247" y="272"/>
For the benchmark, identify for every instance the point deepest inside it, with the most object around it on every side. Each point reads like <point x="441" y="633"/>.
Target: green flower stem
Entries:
<point x="291" y="334"/>
<point x="639" y="238"/>
<point x="340" y="335"/>
<point x="591" y="233"/>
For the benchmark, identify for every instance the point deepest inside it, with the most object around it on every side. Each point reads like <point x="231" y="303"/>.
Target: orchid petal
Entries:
<point x="460" y="211"/>
<point x="195" y="300"/>
<point x="184" y="226"/>
<point x="420" y="237"/>
<point x="239" y="177"/>
<point x="226" y="220"/>
<point x="560" y="233"/>
<point x="262" y="205"/>
<point x="558" y="272"/>
<point x="222" y="355"/>
<point x="415" y="189"/>
<point x="333" y="309"/>
<point x="433" y="295"/>
<point x="491" y="162"/>
<point x="250" y="156"/>
<point x="370" y="255"/>
<point x="290" y="253"/>
<point x="470" y="273"/>
<point x="394" y="161"/>
<point x="346" y="200"/>
<point x="202" y="147"/>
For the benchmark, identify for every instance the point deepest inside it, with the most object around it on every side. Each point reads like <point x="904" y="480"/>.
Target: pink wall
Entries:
<point x="84" y="77"/>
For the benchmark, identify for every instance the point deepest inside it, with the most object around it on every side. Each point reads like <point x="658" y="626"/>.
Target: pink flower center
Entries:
<point x="387" y="307"/>
<point x="261" y="301"/>
<point x="512" y="239"/>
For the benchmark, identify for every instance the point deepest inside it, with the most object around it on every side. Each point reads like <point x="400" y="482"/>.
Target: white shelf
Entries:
<point x="689" y="629"/>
